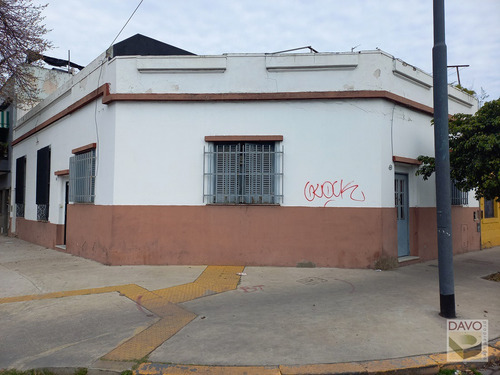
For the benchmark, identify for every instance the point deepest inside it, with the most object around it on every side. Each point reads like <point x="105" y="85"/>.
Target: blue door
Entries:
<point x="401" y="202"/>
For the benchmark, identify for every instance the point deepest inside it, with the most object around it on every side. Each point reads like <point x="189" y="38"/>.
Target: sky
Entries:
<point x="212" y="27"/>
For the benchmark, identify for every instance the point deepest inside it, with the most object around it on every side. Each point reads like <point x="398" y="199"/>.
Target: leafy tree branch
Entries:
<point x="22" y="34"/>
<point x="474" y="151"/>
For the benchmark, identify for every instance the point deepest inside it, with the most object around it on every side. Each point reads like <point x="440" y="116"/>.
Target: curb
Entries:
<point x="422" y="364"/>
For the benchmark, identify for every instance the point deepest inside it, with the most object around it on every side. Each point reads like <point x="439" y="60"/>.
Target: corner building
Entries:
<point x="158" y="156"/>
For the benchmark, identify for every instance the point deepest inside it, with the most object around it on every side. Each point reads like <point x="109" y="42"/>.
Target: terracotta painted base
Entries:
<point x="246" y="235"/>
<point x="243" y="235"/>
<point x="40" y="232"/>
<point x="423" y="233"/>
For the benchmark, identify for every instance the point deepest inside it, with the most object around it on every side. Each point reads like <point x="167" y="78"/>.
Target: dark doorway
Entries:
<point x="66" y="202"/>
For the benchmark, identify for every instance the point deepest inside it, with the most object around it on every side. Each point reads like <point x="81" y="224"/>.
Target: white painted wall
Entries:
<point x="368" y="70"/>
<point x="73" y="131"/>
<point x="159" y="147"/>
<point x="151" y="153"/>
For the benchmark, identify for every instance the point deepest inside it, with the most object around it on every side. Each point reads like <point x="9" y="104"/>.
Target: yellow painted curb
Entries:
<point x="402" y="365"/>
<point x="160" y="369"/>
<point x="494" y="352"/>
<point x="423" y="364"/>
<point x="323" y="369"/>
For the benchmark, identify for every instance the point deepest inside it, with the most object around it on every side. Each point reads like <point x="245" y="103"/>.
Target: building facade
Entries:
<point x="254" y="159"/>
<point x="12" y="108"/>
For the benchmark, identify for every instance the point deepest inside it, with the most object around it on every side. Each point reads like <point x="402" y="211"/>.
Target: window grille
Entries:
<point x="43" y="183"/>
<point x="458" y="197"/>
<point x="19" y="209"/>
<point x="243" y="173"/>
<point x="20" y="185"/>
<point x="82" y="177"/>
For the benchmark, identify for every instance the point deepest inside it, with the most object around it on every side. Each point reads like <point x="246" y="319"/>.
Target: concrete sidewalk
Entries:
<point x="61" y="311"/>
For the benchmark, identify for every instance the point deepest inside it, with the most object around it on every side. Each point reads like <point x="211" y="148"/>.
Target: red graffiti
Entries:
<point x="328" y="190"/>
<point x="250" y="289"/>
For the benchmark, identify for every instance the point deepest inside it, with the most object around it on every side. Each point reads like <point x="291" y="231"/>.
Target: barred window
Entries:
<point x="243" y="173"/>
<point x="20" y="185"/>
<point x="458" y="197"/>
<point x="82" y="177"/>
<point x="43" y="183"/>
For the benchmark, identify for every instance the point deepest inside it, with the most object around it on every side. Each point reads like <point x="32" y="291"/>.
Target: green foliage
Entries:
<point x="474" y="151"/>
<point x="447" y="371"/>
<point x="467" y="91"/>
<point x="427" y="167"/>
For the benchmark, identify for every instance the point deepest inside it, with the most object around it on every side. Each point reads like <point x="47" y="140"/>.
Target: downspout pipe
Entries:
<point x="442" y="154"/>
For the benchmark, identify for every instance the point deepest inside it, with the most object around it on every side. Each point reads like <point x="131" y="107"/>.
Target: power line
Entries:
<point x="126" y="22"/>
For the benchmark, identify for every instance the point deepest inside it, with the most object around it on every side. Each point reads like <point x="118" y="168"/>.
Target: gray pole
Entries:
<point x="441" y="146"/>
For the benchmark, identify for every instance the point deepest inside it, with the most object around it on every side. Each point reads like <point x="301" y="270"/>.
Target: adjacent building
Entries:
<point x="12" y="108"/>
<point x="154" y="155"/>
<point x="490" y="223"/>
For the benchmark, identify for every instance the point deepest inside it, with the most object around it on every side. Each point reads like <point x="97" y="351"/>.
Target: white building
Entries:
<point x="252" y="159"/>
<point x="13" y="106"/>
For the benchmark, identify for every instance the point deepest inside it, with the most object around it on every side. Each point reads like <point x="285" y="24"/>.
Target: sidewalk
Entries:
<point x="61" y="311"/>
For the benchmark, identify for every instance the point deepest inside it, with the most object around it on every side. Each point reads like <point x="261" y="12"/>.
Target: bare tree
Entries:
<point x="21" y="40"/>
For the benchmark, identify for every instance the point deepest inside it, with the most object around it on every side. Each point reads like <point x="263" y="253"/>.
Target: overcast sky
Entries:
<point x="204" y="27"/>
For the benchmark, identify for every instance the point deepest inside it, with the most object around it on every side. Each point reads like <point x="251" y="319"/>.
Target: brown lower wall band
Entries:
<point x="247" y="235"/>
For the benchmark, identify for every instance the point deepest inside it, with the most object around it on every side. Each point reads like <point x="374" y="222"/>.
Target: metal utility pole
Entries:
<point x="442" y="152"/>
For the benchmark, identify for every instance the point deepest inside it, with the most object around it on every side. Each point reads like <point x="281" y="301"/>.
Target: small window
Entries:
<point x="243" y="173"/>
<point x="458" y="197"/>
<point x="489" y="208"/>
<point x="82" y="177"/>
<point x="43" y="184"/>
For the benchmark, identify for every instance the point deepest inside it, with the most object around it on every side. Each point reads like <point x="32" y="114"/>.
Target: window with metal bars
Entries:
<point x="43" y="183"/>
<point x="458" y="197"/>
<point x="20" y="185"/>
<point x="243" y="173"/>
<point x="82" y="177"/>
